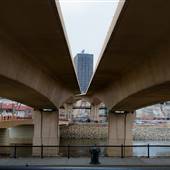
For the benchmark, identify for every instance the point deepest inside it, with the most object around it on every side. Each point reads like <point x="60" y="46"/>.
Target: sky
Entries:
<point x="87" y="23"/>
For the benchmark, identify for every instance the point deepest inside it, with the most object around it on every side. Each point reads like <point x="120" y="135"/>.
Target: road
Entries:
<point x="82" y="168"/>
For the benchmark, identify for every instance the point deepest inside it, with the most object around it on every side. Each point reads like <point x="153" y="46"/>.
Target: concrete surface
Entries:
<point x="120" y="132"/>
<point x="85" y="162"/>
<point x="46" y="132"/>
<point x="134" y="70"/>
<point x="80" y="168"/>
<point x="35" y="63"/>
<point x="14" y="123"/>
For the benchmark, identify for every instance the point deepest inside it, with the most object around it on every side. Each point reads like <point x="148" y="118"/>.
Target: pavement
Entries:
<point x="84" y="162"/>
<point x="83" y="168"/>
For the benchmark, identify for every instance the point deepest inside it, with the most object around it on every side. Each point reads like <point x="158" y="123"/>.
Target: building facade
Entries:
<point x="84" y="68"/>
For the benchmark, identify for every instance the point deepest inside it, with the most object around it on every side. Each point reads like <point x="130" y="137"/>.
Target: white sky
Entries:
<point x="87" y="23"/>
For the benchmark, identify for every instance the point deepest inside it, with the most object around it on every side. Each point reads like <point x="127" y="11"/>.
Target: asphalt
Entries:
<point x="83" y="168"/>
<point x="85" y="162"/>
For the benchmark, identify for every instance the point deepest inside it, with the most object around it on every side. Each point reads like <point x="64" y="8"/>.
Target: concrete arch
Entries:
<point x="134" y="70"/>
<point x="35" y="64"/>
<point x="153" y="95"/>
<point x="146" y="84"/>
<point x="22" y="80"/>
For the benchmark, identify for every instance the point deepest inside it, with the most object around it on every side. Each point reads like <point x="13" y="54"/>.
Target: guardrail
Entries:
<point x="68" y="149"/>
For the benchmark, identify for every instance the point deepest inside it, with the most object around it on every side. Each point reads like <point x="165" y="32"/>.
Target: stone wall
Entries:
<point x="151" y="133"/>
<point x="84" y="131"/>
<point x="100" y="131"/>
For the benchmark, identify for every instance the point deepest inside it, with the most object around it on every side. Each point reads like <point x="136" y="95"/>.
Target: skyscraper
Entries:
<point x="84" y="69"/>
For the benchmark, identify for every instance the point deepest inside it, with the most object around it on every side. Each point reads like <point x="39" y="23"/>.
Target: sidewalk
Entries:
<point x="63" y="162"/>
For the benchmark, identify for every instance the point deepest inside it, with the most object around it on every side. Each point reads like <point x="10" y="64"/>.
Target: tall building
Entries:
<point x="84" y="69"/>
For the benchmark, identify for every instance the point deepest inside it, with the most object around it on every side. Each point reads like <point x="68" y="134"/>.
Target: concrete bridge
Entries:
<point x="36" y="68"/>
<point x="35" y="63"/>
<point x="14" y="123"/>
<point x="134" y="69"/>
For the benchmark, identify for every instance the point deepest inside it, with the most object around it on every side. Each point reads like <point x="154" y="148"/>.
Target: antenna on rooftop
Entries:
<point x="83" y="51"/>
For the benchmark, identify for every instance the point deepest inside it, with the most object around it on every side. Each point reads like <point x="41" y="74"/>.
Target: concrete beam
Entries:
<point x="147" y="84"/>
<point x="134" y="70"/>
<point x="22" y="80"/>
<point x="35" y="63"/>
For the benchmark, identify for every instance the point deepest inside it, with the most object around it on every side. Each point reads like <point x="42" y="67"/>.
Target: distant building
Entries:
<point x="84" y="69"/>
<point x="9" y="108"/>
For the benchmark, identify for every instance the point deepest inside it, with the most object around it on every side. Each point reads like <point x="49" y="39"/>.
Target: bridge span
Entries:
<point x="36" y="68"/>
<point x="134" y="69"/>
<point x="35" y="62"/>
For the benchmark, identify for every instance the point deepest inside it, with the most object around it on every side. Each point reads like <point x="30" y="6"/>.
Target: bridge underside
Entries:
<point x="156" y="94"/>
<point x="134" y="71"/>
<point x="18" y="92"/>
<point x="35" y="63"/>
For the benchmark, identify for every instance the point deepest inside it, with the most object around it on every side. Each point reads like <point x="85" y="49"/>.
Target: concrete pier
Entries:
<point x="46" y="132"/>
<point x="120" y="133"/>
<point x="94" y="114"/>
<point x="4" y="140"/>
<point x="68" y="111"/>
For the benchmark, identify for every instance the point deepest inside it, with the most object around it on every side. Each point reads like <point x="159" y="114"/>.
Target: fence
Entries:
<point x="13" y="149"/>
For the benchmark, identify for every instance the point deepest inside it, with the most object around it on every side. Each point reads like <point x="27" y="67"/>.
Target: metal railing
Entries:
<point x="122" y="149"/>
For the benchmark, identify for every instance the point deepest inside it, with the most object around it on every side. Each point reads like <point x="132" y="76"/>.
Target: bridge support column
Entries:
<point x="46" y="132"/>
<point x="4" y="140"/>
<point x="62" y="114"/>
<point x="120" y="133"/>
<point x="94" y="113"/>
<point x="69" y="111"/>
